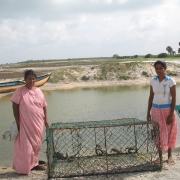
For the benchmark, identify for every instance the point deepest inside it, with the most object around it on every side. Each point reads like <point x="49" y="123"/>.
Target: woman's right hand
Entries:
<point x="46" y="123"/>
<point x="148" y="117"/>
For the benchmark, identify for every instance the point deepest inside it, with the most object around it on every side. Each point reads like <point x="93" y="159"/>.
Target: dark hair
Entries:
<point x="29" y="72"/>
<point x="163" y="63"/>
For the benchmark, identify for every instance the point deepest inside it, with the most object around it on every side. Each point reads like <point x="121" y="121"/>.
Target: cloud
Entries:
<point x="60" y="9"/>
<point x="45" y="29"/>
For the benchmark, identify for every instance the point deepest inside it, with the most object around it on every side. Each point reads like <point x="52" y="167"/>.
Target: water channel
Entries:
<point x="82" y="104"/>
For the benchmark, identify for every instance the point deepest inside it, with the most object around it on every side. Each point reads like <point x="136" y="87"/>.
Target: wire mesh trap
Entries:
<point x="102" y="147"/>
<point x="177" y="108"/>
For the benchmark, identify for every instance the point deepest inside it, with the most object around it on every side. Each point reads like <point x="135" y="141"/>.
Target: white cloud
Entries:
<point x="62" y="29"/>
<point x="121" y="1"/>
<point x="108" y="1"/>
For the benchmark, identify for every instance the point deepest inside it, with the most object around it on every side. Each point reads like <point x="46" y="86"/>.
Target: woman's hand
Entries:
<point x="169" y="119"/>
<point x="45" y="117"/>
<point x="148" y="117"/>
<point x="46" y="123"/>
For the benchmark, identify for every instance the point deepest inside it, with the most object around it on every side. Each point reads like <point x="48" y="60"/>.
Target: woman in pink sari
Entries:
<point x="161" y="104"/>
<point x="29" y="108"/>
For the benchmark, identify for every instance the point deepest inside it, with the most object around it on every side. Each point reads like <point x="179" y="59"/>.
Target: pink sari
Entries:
<point x="168" y="133"/>
<point x="27" y="144"/>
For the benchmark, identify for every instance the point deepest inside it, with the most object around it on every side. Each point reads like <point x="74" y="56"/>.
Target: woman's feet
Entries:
<point x="158" y="161"/>
<point x="170" y="160"/>
<point x="39" y="168"/>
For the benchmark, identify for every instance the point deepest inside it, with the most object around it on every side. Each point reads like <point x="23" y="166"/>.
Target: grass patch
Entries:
<point x="144" y="73"/>
<point x="65" y="74"/>
<point x="120" y="70"/>
<point x="85" y="78"/>
<point x="171" y="73"/>
<point x="123" y="76"/>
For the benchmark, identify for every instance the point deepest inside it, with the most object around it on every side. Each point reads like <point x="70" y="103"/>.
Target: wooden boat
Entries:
<point x="41" y="80"/>
<point x="6" y="87"/>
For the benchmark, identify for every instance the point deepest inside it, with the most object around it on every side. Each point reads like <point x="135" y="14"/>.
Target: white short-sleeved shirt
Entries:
<point x="161" y="89"/>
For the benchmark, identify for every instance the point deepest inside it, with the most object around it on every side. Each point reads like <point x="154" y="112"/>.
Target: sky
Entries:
<point x="58" y="29"/>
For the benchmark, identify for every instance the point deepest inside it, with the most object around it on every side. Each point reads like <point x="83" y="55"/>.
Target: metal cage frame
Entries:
<point x="102" y="147"/>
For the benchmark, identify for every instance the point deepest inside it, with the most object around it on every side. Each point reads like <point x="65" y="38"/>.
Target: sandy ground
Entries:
<point x="168" y="172"/>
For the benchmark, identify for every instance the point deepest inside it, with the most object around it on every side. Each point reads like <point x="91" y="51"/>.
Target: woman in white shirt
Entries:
<point x="161" y="104"/>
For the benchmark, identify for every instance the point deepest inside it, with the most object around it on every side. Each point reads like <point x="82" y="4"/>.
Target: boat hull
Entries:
<point x="12" y="86"/>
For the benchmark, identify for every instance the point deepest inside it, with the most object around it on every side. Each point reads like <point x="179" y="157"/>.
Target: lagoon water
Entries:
<point x="82" y="104"/>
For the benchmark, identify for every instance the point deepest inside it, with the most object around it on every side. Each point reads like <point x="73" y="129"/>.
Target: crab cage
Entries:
<point x="102" y="147"/>
<point x="177" y="108"/>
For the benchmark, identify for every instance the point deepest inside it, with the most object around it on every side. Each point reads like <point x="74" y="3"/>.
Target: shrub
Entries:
<point x="64" y="74"/>
<point x="148" y="55"/>
<point x="123" y="76"/>
<point x="136" y="56"/>
<point x="144" y="73"/>
<point x="115" y="56"/>
<point x="171" y="73"/>
<point x="85" y="78"/>
<point x="162" y="55"/>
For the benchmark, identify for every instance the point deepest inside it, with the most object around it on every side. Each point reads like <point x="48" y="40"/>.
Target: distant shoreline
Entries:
<point x="53" y="86"/>
<point x="67" y="86"/>
<point x="68" y="75"/>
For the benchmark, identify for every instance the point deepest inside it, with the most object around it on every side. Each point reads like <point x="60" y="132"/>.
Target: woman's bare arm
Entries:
<point x="16" y="113"/>
<point x="151" y="95"/>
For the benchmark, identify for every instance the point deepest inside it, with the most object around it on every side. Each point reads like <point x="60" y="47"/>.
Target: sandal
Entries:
<point x="39" y="168"/>
<point x="42" y="162"/>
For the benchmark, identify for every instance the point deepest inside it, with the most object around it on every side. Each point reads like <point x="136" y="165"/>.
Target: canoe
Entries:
<point x="6" y="87"/>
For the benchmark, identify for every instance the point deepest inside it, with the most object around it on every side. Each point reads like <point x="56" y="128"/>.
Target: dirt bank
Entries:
<point x="67" y="76"/>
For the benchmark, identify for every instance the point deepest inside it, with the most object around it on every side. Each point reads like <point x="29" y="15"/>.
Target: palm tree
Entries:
<point x="174" y="53"/>
<point x="170" y="50"/>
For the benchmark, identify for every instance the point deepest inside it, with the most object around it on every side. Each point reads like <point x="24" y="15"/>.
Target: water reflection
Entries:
<point x="97" y="103"/>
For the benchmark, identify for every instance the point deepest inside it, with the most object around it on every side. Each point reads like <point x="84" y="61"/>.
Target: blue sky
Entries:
<point x="57" y="29"/>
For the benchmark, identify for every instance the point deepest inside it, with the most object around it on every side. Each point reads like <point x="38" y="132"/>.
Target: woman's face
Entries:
<point x="30" y="80"/>
<point x="160" y="70"/>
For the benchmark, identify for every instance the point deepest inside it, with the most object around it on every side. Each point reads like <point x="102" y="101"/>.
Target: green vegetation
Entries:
<point x="123" y="76"/>
<point x="177" y="55"/>
<point x="162" y="55"/>
<point x="85" y="78"/>
<point x="148" y="56"/>
<point x="89" y="69"/>
<point x="170" y="51"/>
<point x="117" y="70"/>
<point x="106" y="71"/>
<point x="171" y="73"/>
<point x="144" y="73"/>
<point x="124" y="57"/>
<point x="65" y="74"/>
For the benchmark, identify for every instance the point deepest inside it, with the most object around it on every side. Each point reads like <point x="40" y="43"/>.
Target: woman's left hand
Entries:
<point x="169" y="119"/>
